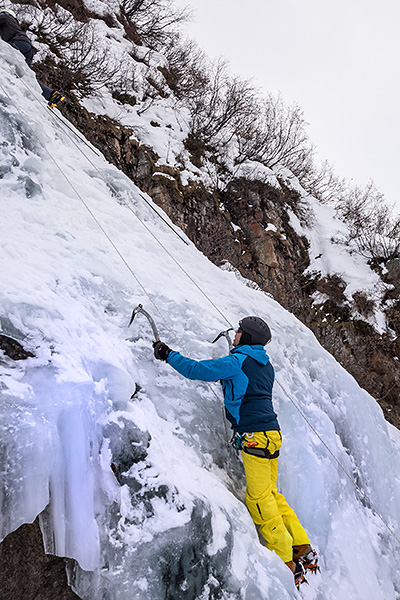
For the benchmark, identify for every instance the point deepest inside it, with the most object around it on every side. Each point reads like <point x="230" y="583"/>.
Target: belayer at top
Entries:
<point x="247" y="378"/>
<point x="11" y="32"/>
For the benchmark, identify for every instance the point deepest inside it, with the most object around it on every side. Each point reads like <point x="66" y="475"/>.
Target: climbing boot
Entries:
<point x="307" y="557"/>
<point x="298" y="573"/>
<point x="55" y="98"/>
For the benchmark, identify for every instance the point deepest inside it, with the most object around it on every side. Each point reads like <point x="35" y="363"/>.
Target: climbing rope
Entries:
<point x="348" y="475"/>
<point x="129" y="207"/>
<point x="79" y="196"/>
<point x="119" y="253"/>
<point x="345" y="471"/>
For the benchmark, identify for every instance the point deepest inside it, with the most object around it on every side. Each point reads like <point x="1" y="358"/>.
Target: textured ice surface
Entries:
<point x="171" y="522"/>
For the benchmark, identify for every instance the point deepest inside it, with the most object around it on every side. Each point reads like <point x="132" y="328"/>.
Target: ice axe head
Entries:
<point x="135" y="311"/>
<point x="140" y="309"/>
<point x="226" y="335"/>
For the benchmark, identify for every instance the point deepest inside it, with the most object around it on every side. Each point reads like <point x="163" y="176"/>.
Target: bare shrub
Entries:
<point x="217" y="114"/>
<point x="151" y="22"/>
<point x="186" y="74"/>
<point x="373" y="226"/>
<point x="364" y="305"/>
<point x="334" y="287"/>
<point x="82" y="61"/>
<point x="277" y="135"/>
<point x="124" y="82"/>
<point x="229" y="112"/>
<point x="323" y="183"/>
<point x="52" y="26"/>
<point x="90" y="60"/>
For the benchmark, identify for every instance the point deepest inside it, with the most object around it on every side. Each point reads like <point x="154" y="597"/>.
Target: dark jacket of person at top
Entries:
<point x="11" y="32"/>
<point x="10" y="29"/>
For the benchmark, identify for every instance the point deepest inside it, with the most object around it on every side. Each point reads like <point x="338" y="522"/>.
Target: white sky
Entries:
<point x="338" y="60"/>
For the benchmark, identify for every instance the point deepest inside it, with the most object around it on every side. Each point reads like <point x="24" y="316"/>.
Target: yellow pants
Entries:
<point x="276" y="521"/>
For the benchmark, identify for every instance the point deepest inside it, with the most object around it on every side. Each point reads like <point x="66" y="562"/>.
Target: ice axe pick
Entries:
<point x="140" y="309"/>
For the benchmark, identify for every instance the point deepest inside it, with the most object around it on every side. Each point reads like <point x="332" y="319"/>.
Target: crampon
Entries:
<point x="307" y="557"/>
<point x="298" y="573"/>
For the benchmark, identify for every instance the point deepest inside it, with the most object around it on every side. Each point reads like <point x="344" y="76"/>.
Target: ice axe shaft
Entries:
<point x="140" y="309"/>
<point x="226" y="335"/>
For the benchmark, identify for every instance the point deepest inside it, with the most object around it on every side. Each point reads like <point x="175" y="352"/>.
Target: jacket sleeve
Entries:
<point x="205" y="370"/>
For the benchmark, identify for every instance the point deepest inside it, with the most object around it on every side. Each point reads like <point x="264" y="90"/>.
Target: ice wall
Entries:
<point x="172" y="524"/>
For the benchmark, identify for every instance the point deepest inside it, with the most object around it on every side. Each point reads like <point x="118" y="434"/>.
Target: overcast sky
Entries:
<point x="339" y="60"/>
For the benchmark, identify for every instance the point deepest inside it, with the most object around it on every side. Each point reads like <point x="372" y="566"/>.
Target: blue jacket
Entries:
<point x="247" y="378"/>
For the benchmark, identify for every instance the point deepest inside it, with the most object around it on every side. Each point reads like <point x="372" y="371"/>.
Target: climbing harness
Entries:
<point x="260" y="452"/>
<point x="246" y="442"/>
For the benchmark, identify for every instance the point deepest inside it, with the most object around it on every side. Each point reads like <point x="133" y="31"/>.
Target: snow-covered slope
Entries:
<point x="79" y="250"/>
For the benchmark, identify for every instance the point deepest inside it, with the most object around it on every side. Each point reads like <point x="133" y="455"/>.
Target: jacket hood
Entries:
<point x="257" y="352"/>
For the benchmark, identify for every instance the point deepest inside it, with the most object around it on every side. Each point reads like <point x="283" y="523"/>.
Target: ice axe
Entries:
<point x="226" y="335"/>
<point x="140" y="309"/>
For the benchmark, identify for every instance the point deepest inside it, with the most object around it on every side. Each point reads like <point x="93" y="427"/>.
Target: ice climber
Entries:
<point x="11" y="32"/>
<point x="247" y="378"/>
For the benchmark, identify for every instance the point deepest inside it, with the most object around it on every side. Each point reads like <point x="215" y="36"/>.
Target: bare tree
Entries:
<point x="52" y="26"/>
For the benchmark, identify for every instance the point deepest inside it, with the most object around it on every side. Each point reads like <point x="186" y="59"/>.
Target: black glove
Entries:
<point x="161" y="350"/>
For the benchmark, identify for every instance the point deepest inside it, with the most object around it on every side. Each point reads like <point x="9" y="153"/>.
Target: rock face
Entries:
<point x="27" y="573"/>
<point x="13" y="348"/>
<point x="248" y="226"/>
